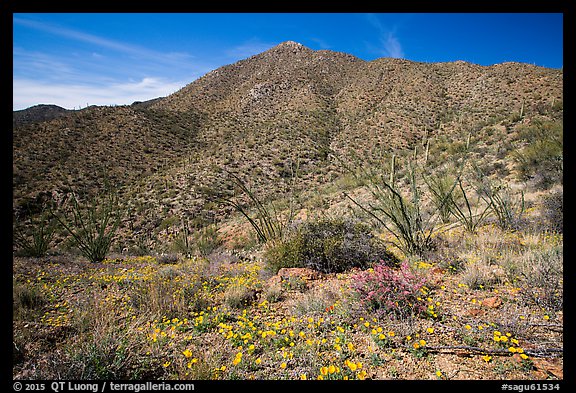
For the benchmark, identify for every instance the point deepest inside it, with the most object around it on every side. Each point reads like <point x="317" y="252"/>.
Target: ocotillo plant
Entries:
<point x="268" y="223"/>
<point x="92" y="225"/>
<point x="401" y="213"/>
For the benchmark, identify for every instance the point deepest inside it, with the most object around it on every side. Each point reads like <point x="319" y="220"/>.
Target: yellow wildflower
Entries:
<point x="351" y="365"/>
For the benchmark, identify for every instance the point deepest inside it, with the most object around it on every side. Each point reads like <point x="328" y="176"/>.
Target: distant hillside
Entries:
<point x="37" y="113"/>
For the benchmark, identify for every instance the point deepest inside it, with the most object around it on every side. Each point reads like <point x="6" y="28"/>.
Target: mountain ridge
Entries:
<point x="262" y="115"/>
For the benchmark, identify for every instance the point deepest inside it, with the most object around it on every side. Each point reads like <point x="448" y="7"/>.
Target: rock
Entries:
<point x="548" y="367"/>
<point x="474" y="312"/>
<point x="539" y="374"/>
<point x="274" y="280"/>
<point x="492" y="302"/>
<point x="437" y="271"/>
<point x="303" y="273"/>
<point x="437" y="276"/>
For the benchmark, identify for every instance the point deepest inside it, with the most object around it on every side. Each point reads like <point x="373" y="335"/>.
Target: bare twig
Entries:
<point x="541" y="352"/>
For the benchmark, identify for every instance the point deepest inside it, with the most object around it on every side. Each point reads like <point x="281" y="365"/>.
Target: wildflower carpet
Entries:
<point x="136" y="318"/>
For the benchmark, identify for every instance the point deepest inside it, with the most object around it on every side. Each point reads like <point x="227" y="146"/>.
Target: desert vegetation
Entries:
<point x="473" y="302"/>
<point x="284" y="230"/>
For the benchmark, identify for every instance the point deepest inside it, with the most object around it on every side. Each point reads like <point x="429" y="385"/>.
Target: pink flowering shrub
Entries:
<point x="389" y="290"/>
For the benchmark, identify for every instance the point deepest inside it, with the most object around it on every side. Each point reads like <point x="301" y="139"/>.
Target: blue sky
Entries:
<point x="74" y="60"/>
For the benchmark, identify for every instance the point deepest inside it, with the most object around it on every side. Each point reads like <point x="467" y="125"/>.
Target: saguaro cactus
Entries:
<point x="393" y="169"/>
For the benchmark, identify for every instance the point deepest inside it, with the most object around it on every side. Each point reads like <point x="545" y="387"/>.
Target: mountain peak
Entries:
<point x="290" y="46"/>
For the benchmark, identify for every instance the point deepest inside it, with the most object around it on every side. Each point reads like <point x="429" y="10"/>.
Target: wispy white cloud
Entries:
<point x="38" y="63"/>
<point x="29" y="92"/>
<point x="104" y="72"/>
<point x="322" y="44"/>
<point x="249" y="48"/>
<point x="392" y="46"/>
<point x="389" y="44"/>
<point x="102" y="42"/>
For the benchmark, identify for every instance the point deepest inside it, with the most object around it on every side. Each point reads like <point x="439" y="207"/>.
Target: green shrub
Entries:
<point x="167" y="259"/>
<point x="33" y="235"/>
<point x="237" y="296"/>
<point x="207" y="240"/>
<point x="552" y="210"/>
<point x="539" y="275"/>
<point x="27" y="298"/>
<point x="329" y="246"/>
<point x="542" y="156"/>
<point x="507" y="208"/>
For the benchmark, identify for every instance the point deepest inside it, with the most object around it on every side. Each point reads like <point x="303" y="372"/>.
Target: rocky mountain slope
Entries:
<point x="262" y="118"/>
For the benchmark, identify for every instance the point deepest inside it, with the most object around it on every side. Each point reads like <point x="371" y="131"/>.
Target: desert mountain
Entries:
<point x="263" y="116"/>
<point x="37" y="113"/>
